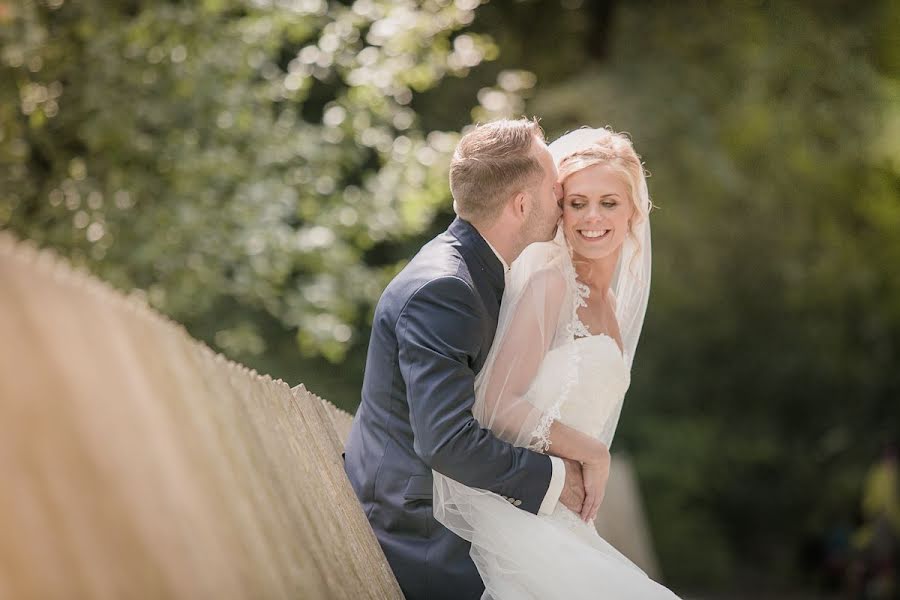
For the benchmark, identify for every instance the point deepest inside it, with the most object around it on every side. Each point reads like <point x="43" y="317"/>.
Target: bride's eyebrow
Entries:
<point x="583" y="197"/>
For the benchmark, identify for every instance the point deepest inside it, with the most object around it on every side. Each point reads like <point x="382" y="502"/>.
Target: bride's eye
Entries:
<point x="610" y="204"/>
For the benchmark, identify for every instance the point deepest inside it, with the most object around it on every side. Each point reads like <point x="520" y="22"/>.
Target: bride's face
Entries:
<point x="596" y="211"/>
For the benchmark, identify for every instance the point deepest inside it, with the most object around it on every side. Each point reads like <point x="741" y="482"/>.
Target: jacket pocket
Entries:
<point x="419" y="488"/>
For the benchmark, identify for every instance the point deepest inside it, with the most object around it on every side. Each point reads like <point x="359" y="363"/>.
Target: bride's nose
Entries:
<point x="594" y="212"/>
<point x="594" y="216"/>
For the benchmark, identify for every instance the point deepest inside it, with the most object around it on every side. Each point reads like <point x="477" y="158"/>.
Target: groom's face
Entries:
<point x="545" y="199"/>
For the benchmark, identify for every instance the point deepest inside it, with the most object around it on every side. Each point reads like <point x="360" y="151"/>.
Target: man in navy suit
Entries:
<point x="432" y="330"/>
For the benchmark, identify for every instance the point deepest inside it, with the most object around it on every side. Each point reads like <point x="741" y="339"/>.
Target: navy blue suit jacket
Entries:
<point x="432" y="330"/>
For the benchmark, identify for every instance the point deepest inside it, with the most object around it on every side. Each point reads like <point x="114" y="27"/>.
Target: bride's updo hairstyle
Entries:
<point x="492" y="163"/>
<point x="615" y="151"/>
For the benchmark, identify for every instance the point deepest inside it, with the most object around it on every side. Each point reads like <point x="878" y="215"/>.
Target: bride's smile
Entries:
<point x="593" y="235"/>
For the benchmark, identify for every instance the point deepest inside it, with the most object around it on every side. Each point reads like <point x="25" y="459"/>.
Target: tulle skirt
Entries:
<point x="521" y="555"/>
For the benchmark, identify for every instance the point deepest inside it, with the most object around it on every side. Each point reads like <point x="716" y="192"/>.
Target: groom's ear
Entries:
<point x="521" y="205"/>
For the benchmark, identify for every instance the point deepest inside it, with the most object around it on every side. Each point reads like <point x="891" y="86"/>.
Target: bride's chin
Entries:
<point x="590" y="251"/>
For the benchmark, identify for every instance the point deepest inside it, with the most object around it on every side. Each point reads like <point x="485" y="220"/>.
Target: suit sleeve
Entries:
<point x="438" y="333"/>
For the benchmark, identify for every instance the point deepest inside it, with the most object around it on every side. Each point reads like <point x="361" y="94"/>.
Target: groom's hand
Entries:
<point x="572" y="496"/>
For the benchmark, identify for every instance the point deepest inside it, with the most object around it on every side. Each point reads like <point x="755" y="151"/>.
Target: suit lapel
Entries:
<point x="483" y="263"/>
<point x="487" y="275"/>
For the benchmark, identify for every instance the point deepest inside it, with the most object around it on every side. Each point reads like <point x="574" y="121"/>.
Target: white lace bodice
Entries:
<point x="597" y="378"/>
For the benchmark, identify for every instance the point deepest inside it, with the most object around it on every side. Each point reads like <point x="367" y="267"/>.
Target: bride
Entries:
<point x="556" y="376"/>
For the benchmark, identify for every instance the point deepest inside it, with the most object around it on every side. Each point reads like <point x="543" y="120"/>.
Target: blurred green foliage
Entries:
<point x="259" y="169"/>
<point x="248" y="155"/>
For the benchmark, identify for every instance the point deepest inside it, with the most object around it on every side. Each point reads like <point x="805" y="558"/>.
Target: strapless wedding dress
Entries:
<point x="559" y="555"/>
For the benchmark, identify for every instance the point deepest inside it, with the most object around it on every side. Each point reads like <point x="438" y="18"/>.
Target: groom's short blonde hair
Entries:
<point x="493" y="162"/>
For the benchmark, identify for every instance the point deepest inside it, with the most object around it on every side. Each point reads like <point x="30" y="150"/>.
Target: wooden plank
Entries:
<point x="136" y="462"/>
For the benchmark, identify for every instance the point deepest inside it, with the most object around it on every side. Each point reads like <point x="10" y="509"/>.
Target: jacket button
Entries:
<point x="518" y="503"/>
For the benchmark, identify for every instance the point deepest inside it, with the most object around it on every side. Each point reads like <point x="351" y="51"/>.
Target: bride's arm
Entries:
<point x="521" y="344"/>
<point x="568" y="442"/>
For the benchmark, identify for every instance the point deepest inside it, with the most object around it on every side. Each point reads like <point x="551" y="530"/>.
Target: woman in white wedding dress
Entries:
<point x="556" y="377"/>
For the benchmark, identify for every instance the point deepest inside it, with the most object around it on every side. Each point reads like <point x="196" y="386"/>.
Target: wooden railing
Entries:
<point x="135" y="462"/>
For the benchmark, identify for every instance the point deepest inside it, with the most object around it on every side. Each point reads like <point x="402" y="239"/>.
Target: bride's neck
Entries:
<point x="596" y="273"/>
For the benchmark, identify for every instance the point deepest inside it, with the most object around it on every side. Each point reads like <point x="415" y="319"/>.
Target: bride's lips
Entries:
<point x="594" y="235"/>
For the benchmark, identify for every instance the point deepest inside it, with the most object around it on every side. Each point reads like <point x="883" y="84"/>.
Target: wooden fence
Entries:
<point x="135" y="462"/>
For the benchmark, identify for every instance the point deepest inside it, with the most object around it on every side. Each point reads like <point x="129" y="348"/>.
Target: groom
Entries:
<point x="432" y="330"/>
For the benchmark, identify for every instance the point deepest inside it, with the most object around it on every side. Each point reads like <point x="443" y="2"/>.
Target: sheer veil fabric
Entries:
<point x="519" y="554"/>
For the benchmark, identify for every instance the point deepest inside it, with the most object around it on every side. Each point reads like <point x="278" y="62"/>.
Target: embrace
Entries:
<point x="496" y="371"/>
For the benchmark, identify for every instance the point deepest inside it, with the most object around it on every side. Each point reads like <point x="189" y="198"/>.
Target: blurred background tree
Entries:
<point x="259" y="169"/>
<point x="247" y="164"/>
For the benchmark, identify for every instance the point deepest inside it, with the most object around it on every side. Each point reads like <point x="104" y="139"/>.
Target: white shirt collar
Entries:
<point x="502" y="262"/>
